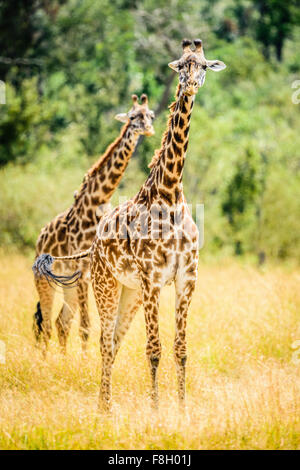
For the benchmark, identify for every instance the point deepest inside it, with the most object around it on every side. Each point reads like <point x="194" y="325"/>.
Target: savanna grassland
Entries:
<point x="243" y="381"/>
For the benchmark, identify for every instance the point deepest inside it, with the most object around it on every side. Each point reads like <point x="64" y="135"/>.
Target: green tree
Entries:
<point x="274" y="23"/>
<point x="24" y="123"/>
<point x="241" y="194"/>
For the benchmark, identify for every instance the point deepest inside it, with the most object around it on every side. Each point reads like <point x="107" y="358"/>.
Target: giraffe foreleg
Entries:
<point x="184" y="291"/>
<point x="151" y="297"/>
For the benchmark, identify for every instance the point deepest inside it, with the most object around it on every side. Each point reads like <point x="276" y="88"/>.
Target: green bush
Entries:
<point x="243" y="156"/>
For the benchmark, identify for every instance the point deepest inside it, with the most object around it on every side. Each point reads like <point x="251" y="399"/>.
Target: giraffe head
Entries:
<point x="192" y="66"/>
<point x="140" y="117"/>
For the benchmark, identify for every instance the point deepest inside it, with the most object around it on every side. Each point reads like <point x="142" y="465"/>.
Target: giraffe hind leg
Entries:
<point x="42" y="317"/>
<point x="130" y="301"/>
<point x="107" y="291"/>
<point x="64" y="320"/>
<point x="84" y="329"/>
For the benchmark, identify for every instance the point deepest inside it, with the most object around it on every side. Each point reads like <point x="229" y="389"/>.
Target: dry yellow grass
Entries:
<point x="243" y="389"/>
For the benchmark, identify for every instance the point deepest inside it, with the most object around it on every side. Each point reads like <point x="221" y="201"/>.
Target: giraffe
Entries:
<point x="75" y="229"/>
<point x="149" y="242"/>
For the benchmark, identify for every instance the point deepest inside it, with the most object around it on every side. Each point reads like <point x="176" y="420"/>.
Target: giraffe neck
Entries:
<point x="166" y="175"/>
<point x="104" y="176"/>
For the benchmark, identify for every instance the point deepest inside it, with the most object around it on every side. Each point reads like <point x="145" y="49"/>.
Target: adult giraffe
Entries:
<point x="75" y="229"/>
<point x="149" y="241"/>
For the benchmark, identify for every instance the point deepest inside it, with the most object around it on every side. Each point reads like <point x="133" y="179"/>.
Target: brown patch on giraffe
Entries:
<point x="181" y="122"/>
<point x="178" y="195"/>
<point x="107" y="189"/>
<point x="75" y="226"/>
<point x="170" y="154"/>
<point x="179" y="167"/>
<point x="95" y="201"/>
<point x="96" y="186"/>
<point x="186" y="131"/>
<point x="178" y="138"/>
<point x="79" y="238"/>
<point x="170" y="166"/>
<point x="183" y="108"/>
<point x="169" y="181"/>
<point x="176" y="149"/>
<point x="118" y="165"/>
<point x="90" y="214"/>
<point x="167" y="197"/>
<point x="50" y="242"/>
<point x="160" y="259"/>
<point x="169" y="243"/>
<point x="61" y="234"/>
<point x="114" y="177"/>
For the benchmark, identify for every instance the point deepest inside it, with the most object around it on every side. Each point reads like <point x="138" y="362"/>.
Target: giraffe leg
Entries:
<point x="130" y="301"/>
<point x="82" y="291"/>
<point x="107" y="292"/>
<point x="153" y="349"/>
<point x="184" y="291"/>
<point x="42" y="318"/>
<point x="65" y="317"/>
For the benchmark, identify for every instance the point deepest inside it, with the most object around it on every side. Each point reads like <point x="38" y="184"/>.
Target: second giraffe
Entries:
<point x="75" y="229"/>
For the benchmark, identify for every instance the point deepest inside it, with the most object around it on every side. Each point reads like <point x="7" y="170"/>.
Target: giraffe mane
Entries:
<point x="158" y="152"/>
<point x="97" y="166"/>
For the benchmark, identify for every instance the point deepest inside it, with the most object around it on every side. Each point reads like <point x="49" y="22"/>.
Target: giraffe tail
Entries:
<point x="43" y="268"/>
<point x="37" y="322"/>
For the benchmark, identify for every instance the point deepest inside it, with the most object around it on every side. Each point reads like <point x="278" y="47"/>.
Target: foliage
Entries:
<point x="81" y="61"/>
<point x="24" y="123"/>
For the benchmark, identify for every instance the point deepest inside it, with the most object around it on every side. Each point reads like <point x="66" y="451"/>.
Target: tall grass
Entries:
<point x="243" y="389"/>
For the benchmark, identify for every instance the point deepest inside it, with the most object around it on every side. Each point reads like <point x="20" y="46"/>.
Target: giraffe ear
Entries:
<point x="215" y="65"/>
<point x="122" y="117"/>
<point x="174" y="65"/>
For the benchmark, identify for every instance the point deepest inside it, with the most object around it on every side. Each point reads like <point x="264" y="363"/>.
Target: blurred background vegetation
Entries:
<point x="70" y="65"/>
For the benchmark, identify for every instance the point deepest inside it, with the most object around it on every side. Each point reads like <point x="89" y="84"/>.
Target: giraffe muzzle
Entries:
<point x="149" y="131"/>
<point x="192" y="88"/>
